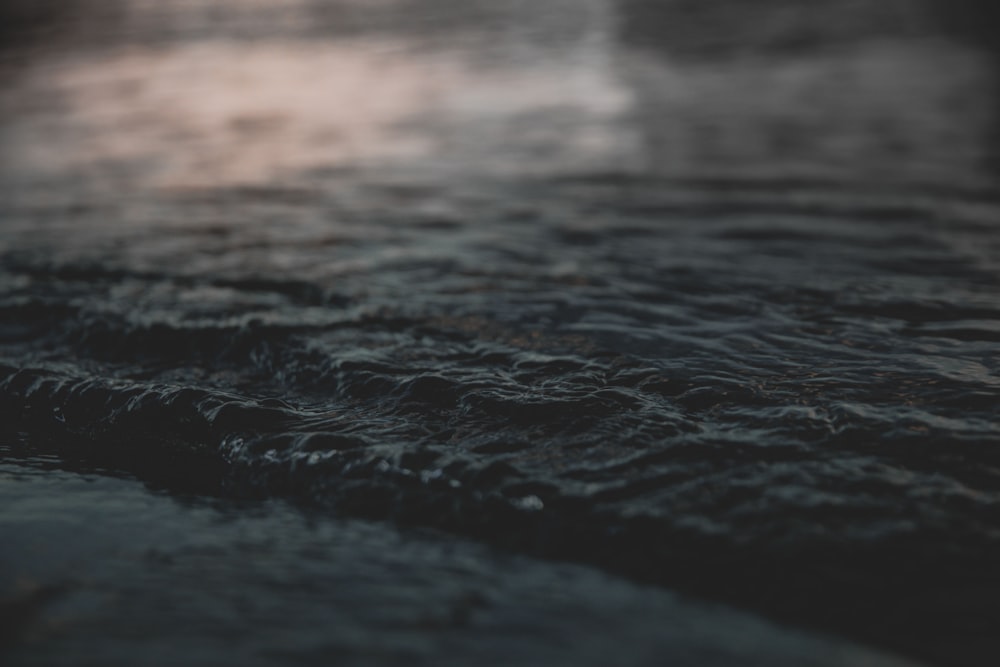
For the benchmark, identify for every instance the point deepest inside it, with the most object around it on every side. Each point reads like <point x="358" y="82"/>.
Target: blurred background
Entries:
<point x="202" y="92"/>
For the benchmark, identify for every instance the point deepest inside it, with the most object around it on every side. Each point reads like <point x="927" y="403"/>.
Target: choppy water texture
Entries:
<point x="727" y="326"/>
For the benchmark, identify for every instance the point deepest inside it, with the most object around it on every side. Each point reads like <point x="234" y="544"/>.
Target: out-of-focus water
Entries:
<point x="172" y="581"/>
<point x="715" y="310"/>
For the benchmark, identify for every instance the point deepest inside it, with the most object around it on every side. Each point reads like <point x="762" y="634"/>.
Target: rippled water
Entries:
<point x="726" y="326"/>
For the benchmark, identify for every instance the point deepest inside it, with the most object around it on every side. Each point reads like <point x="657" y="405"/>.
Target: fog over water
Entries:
<point x="542" y="332"/>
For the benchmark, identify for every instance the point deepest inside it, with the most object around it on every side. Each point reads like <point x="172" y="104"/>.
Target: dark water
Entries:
<point x="131" y="576"/>
<point x="721" y="319"/>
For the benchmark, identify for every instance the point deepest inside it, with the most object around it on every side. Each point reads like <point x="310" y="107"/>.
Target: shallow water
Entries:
<point x="724" y="325"/>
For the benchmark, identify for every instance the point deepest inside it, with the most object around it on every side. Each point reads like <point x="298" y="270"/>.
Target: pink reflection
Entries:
<point x="227" y="112"/>
<point x="221" y="113"/>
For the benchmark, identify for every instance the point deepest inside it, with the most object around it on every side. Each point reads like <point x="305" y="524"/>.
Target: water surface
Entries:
<point x="723" y="323"/>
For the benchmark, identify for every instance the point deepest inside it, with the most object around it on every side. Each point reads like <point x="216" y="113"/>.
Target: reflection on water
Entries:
<point x="214" y="111"/>
<point x="419" y="260"/>
<point x="218" y="113"/>
<point x="208" y="93"/>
